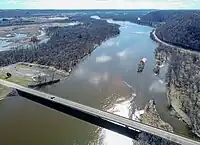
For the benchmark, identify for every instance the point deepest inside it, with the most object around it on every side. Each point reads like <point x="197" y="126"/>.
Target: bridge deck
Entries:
<point x="98" y="114"/>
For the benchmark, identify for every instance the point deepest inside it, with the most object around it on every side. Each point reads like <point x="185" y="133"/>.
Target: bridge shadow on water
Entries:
<point x="82" y="115"/>
<point x="141" y="137"/>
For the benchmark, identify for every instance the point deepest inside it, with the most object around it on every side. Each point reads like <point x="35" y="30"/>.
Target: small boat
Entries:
<point x="141" y="65"/>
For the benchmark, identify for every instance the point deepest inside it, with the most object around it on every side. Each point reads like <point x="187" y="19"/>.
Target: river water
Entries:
<point x="107" y="80"/>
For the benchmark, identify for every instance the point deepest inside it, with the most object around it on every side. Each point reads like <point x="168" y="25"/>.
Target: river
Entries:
<point x="107" y="80"/>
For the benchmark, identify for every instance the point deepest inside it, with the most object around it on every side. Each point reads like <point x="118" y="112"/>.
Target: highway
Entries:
<point x="162" y="42"/>
<point x="112" y="118"/>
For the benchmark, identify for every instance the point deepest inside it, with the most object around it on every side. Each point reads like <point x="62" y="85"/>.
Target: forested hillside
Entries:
<point x="182" y="29"/>
<point x="66" y="46"/>
<point x="178" y="27"/>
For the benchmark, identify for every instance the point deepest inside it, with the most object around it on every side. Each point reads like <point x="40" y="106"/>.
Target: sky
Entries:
<point x="99" y="4"/>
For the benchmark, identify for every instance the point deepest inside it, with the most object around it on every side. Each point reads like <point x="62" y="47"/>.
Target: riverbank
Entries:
<point x="151" y="117"/>
<point x="70" y="49"/>
<point x="67" y="45"/>
<point x="5" y="91"/>
<point x="50" y="68"/>
<point x="182" y="82"/>
<point x="29" y="74"/>
<point x="173" y="102"/>
<point x="76" y="42"/>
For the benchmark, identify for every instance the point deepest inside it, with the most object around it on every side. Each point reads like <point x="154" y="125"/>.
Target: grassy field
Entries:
<point x="23" y="74"/>
<point x="18" y="80"/>
<point x="22" y="66"/>
<point x="4" y="91"/>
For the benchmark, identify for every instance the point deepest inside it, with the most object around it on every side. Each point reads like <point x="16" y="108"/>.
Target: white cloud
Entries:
<point x="12" y="1"/>
<point x="106" y="4"/>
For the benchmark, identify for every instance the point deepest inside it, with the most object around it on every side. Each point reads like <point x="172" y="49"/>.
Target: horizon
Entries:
<point x="100" y="4"/>
<point x="26" y="9"/>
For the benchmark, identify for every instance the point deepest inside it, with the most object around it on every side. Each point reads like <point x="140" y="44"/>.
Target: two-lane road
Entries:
<point x="112" y="118"/>
<point x="173" y="46"/>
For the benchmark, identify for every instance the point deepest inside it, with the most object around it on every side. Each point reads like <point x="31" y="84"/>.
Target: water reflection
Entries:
<point x="125" y="54"/>
<point x="103" y="58"/>
<point x="157" y="86"/>
<point x="96" y="78"/>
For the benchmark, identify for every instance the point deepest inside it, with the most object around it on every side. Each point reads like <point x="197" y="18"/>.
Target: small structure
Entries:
<point x="141" y="65"/>
<point x="39" y="78"/>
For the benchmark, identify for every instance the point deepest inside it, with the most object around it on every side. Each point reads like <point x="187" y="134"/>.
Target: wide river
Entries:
<point x="107" y="80"/>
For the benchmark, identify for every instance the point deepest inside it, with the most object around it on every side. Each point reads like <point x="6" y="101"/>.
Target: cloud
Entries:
<point x="12" y="1"/>
<point x="117" y="4"/>
<point x="101" y="4"/>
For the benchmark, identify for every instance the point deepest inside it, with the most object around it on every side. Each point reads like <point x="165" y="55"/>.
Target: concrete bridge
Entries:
<point x="103" y="119"/>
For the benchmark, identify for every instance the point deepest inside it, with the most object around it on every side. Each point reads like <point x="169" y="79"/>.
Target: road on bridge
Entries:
<point x="125" y="122"/>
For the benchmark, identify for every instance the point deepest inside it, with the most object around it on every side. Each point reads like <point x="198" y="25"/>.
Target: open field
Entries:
<point x="27" y="74"/>
<point x="20" y="35"/>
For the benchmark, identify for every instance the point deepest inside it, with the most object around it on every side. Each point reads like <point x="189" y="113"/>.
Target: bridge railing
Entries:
<point x="104" y="119"/>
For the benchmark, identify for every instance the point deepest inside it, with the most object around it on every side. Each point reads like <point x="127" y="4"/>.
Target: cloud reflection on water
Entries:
<point x="93" y="78"/>
<point x="103" y="59"/>
<point x="123" y="55"/>
<point x="81" y="72"/>
<point x="95" y="17"/>
<point x="157" y="86"/>
<point x="97" y="78"/>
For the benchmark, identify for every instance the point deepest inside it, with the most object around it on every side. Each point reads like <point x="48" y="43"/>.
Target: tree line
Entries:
<point x="66" y="47"/>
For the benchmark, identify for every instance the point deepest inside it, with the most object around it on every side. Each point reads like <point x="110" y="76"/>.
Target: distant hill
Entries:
<point x="28" y="13"/>
<point x="180" y="28"/>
